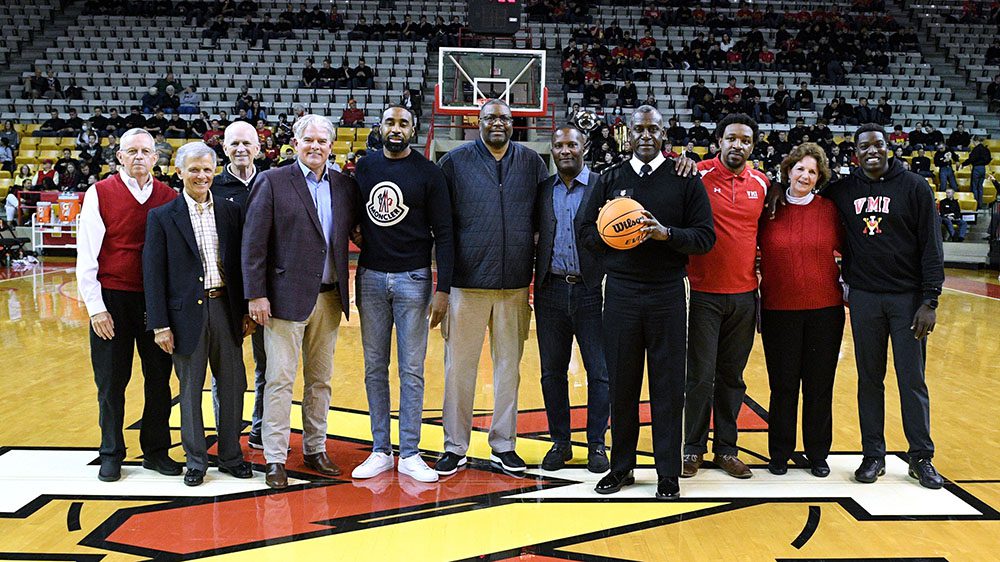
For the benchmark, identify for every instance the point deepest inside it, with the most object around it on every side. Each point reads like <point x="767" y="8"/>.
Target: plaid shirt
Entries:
<point x="207" y="237"/>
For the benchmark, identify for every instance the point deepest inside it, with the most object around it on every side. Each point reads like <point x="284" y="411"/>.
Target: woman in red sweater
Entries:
<point x="802" y="316"/>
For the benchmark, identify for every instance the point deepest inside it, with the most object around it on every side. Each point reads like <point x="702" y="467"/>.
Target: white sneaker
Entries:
<point x="416" y="468"/>
<point x="375" y="464"/>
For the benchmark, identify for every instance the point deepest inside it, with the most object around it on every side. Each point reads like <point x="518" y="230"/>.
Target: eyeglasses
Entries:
<point x="494" y="118"/>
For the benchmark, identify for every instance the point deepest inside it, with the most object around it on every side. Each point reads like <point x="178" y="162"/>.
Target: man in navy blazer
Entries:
<point x="195" y="306"/>
<point x="568" y="302"/>
<point x="295" y="276"/>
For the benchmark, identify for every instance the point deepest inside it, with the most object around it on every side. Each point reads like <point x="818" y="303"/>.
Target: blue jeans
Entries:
<point x="384" y="300"/>
<point x="563" y="310"/>
<point x="963" y="227"/>
<point x="978" y="177"/>
<point x="946" y="178"/>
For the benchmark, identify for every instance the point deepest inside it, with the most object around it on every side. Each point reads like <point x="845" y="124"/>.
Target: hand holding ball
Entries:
<point x="620" y="223"/>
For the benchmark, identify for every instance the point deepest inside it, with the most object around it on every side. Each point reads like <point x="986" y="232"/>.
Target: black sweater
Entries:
<point x="980" y="156"/>
<point x="680" y="203"/>
<point x="405" y="210"/>
<point x="893" y="232"/>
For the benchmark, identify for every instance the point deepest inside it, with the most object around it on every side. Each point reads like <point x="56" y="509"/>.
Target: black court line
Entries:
<point x="59" y="557"/>
<point x="812" y="523"/>
<point x="916" y="559"/>
<point x="976" y="481"/>
<point x="73" y="516"/>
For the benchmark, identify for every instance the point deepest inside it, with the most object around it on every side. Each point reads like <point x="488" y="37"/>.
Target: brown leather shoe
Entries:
<point x="691" y="465"/>
<point x="276" y="477"/>
<point x="321" y="464"/>
<point x="733" y="466"/>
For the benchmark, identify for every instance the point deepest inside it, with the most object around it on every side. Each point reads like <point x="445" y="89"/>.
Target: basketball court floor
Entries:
<point x="52" y="507"/>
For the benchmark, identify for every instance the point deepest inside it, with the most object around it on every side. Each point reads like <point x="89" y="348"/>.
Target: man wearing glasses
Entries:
<point x="492" y="185"/>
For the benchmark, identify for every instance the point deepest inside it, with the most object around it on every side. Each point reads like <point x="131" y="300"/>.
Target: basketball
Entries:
<point x="618" y="223"/>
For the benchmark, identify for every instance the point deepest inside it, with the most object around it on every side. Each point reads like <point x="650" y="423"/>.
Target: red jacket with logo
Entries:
<point x="737" y="202"/>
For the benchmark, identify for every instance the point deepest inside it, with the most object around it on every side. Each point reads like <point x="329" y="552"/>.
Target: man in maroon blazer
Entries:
<point x="295" y="276"/>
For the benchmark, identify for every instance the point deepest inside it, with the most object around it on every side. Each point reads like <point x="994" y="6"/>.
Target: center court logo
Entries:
<point x="385" y="204"/>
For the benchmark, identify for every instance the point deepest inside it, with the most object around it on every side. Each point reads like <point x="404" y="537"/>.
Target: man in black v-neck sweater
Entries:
<point x="645" y="300"/>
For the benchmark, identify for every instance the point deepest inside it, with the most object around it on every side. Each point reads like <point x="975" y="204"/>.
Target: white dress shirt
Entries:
<point x="638" y="164"/>
<point x="90" y="238"/>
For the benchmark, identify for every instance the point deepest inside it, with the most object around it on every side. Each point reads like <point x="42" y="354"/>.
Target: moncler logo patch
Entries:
<point x="385" y="204"/>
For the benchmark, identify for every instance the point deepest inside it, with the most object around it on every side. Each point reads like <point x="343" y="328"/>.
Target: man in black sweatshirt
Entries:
<point x="979" y="158"/>
<point x="406" y="211"/>
<point x="645" y="306"/>
<point x="951" y="216"/>
<point x="894" y="266"/>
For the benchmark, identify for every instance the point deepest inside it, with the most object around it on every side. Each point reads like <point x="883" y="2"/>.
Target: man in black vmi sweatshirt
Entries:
<point x="894" y="266"/>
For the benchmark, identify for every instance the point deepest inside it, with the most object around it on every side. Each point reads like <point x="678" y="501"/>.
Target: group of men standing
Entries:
<point x="187" y="278"/>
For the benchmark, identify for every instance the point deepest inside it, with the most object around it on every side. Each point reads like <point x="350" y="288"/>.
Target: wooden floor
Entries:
<point x="53" y="508"/>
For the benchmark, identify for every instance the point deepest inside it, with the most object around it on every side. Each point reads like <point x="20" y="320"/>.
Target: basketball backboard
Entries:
<point x="467" y="77"/>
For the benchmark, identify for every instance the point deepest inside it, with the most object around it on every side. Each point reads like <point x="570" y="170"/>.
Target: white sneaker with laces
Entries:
<point x="416" y="468"/>
<point x="375" y="464"/>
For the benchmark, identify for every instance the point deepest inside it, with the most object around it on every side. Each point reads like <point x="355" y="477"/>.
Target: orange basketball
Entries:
<point x="618" y="223"/>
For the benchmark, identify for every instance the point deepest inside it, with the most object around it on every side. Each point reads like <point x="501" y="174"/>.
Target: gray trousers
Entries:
<point x="470" y="311"/>
<point x="314" y="339"/>
<point x="218" y="348"/>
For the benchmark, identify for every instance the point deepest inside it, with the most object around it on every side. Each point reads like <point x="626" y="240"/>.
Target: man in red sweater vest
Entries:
<point x="109" y="278"/>
<point x="723" y="300"/>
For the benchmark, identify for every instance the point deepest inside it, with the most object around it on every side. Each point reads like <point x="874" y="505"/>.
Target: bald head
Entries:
<point x="241" y="144"/>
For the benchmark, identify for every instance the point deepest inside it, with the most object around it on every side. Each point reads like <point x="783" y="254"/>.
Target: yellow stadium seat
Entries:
<point x="4" y="174"/>
<point x="176" y="143"/>
<point x="47" y="143"/>
<point x="344" y="147"/>
<point x="4" y="189"/>
<point x="29" y="142"/>
<point x="347" y="134"/>
<point x="967" y="201"/>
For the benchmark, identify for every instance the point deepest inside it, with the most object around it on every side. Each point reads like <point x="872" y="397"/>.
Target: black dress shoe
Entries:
<point x="923" y="470"/>
<point x="242" y="470"/>
<point x="668" y="488"/>
<point x="777" y="468"/>
<point x="276" y="477"/>
<point x="597" y="459"/>
<point x="557" y="456"/>
<point x="869" y="471"/>
<point x="111" y="470"/>
<point x="162" y="464"/>
<point x="194" y="477"/>
<point x="819" y="468"/>
<point x="614" y="481"/>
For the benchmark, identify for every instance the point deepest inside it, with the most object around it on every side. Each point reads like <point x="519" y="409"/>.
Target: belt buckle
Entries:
<point x="572" y="279"/>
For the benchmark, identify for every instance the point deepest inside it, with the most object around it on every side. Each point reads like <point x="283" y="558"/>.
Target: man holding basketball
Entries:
<point x="645" y="312"/>
<point x="724" y="300"/>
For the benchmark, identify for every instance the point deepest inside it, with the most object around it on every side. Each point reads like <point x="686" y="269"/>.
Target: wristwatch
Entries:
<point x="670" y="233"/>
<point x="931" y="303"/>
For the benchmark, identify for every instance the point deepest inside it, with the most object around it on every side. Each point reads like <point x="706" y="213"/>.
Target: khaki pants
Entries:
<point x="470" y="311"/>
<point x="284" y="340"/>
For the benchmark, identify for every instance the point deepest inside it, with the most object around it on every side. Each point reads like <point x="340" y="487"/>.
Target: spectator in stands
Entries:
<point x="46" y="173"/>
<point x="257" y="111"/>
<point x="151" y="100"/>
<point x="959" y="139"/>
<point x="157" y="124"/>
<point x="242" y="117"/>
<point x="37" y="85"/>
<point x="54" y="86"/>
<point x="364" y="75"/>
<point x="993" y="94"/>
<point x="98" y="122"/>
<point x="116" y="123"/>
<point x="11" y="202"/>
<point x="177" y="128"/>
<point x="24" y="173"/>
<point x="6" y="156"/>
<point x="864" y="113"/>
<point x="201" y="125"/>
<point x="86" y="136"/>
<point x="66" y="160"/>
<point x="933" y="137"/>
<point x="833" y="113"/>
<point x="51" y="127"/>
<point x="978" y="159"/>
<point x="921" y="164"/>
<point x="287" y="158"/>
<point x="412" y="103"/>
<point x="164" y="151"/>
<point x="169" y="101"/>
<point x="92" y="152"/>
<point x="951" y="216"/>
<point x="593" y="94"/>
<point x="676" y="133"/>
<point x="109" y="153"/>
<point x="310" y="75"/>
<point x="168" y="81"/>
<point x="361" y="31"/>
<point x="945" y="159"/>
<point x="263" y="131"/>
<point x="215" y="32"/>
<point x="898" y="136"/>
<point x="69" y="178"/>
<point x="214" y="132"/>
<point x="804" y="98"/>
<point x="73" y="91"/>
<point x="699" y="134"/>
<point x="352" y="117"/>
<point x="335" y="20"/>
<point x="628" y="96"/>
<point x="781" y="96"/>
<point x="883" y="112"/>
<point x="696" y="93"/>
<point x="224" y="119"/>
<point x="8" y="132"/>
<point x="732" y="90"/>
<point x="918" y="136"/>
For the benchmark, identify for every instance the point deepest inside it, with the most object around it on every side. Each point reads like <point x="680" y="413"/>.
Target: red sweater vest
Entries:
<point x="119" y="264"/>
<point x="737" y="203"/>
<point x="797" y="267"/>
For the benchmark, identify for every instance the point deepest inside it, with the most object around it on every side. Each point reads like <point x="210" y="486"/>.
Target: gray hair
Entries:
<point x="643" y="109"/>
<point x="195" y="149"/>
<point x="311" y="119"/>
<point x="134" y="132"/>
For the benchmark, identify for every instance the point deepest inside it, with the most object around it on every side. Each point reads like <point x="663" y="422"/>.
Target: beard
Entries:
<point x="394" y="145"/>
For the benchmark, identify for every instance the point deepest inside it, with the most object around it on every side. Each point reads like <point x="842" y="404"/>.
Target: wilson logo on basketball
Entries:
<point x="618" y="223"/>
<point x="385" y="204"/>
<point x="623" y="225"/>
